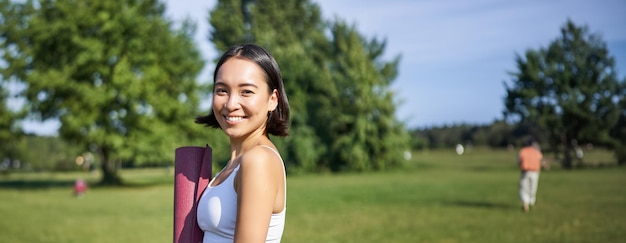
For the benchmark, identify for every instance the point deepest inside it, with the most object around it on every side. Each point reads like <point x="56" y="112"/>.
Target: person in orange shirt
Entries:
<point x="530" y="159"/>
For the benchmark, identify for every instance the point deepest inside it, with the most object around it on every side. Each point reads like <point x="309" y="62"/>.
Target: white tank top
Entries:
<point x="217" y="211"/>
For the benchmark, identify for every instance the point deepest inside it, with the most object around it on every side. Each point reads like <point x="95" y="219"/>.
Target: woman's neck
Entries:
<point x="238" y="146"/>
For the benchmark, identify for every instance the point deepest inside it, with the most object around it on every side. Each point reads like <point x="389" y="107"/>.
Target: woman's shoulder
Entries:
<point x="260" y="165"/>
<point x="261" y="155"/>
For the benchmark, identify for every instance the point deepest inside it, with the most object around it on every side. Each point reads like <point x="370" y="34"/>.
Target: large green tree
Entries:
<point x="343" y="112"/>
<point x="569" y="90"/>
<point x="363" y="133"/>
<point x="117" y="74"/>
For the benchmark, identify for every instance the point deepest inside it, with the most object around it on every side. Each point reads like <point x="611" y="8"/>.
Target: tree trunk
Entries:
<point x="110" y="175"/>
<point x="620" y="154"/>
<point x="566" y="163"/>
<point x="567" y="158"/>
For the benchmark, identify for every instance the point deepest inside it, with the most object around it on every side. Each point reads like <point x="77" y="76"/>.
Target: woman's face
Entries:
<point x="241" y="99"/>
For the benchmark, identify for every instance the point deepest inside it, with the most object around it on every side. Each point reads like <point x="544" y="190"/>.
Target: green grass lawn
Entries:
<point x="438" y="197"/>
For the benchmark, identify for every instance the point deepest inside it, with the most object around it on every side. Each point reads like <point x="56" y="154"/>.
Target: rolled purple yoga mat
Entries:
<point x="192" y="169"/>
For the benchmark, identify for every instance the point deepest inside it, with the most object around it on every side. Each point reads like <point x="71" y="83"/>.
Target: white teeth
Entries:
<point x="234" y="118"/>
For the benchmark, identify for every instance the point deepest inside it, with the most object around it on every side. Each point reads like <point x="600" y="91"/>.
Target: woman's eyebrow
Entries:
<point x="240" y="85"/>
<point x="248" y="85"/>
<point x="220" y="83"/>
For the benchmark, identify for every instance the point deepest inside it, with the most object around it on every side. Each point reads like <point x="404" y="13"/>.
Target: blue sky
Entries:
<point x="456" y="54"/>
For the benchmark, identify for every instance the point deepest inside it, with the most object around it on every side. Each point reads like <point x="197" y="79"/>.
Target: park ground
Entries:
<point x="438" y="196"/>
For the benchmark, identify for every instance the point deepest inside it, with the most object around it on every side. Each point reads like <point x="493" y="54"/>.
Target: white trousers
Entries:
<point x="528" y="187"/>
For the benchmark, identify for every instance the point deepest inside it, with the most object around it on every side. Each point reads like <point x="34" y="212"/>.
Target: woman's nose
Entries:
<point x="232" y="102"/>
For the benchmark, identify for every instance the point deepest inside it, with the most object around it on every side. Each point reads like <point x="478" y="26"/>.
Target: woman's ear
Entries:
<point x="273" y="101"/>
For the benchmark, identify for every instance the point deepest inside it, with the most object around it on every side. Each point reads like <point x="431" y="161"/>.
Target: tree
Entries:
<point x="117" y="74"/>
<point x="10" y="133"/>
<point x="569" y="90"/>
<point x="338" y="85"/>
<point x="364" y="134"/>
<point x="619" y="133"/>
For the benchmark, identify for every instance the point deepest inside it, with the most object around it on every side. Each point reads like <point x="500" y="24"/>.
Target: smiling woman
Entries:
<point x="258" y="65"/>
<point x="246" y="200"/>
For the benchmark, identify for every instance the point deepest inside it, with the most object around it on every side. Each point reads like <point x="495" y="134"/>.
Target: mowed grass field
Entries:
<point x="439" y="197"/>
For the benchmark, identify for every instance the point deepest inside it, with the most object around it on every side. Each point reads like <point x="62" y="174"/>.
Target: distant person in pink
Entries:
<point x="530" y="159"/>
<point x="80" y="187"/>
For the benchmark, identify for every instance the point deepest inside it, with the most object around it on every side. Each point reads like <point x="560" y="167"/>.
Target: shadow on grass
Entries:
<point x="137" y="184"/>
<point x="42" y="184"/>
<point x="480" y="204"/>
<point x="35" y="184"/>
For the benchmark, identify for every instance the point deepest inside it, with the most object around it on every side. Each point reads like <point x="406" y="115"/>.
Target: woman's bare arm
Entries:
<point x="257" y="186"/>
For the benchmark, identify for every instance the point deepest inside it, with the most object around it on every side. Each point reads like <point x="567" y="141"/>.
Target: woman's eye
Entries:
<point x="220" y="91"/>
<point x="247" y="92"/>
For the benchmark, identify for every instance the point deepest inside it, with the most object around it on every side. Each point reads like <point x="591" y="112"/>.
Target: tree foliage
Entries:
<point x="619" y="132"/>
<point x="569" y="90"/>
<point x="117" y="74"/>
<point x="10" y="133"/>
<point x="343" y="112"/>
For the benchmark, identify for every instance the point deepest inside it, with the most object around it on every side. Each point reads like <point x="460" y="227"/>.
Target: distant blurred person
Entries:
<point x="530" y="159"/>
<point x="80" y="187"/>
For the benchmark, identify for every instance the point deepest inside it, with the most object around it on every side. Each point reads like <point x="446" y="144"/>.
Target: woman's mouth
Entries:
<point x="233" y="118"/>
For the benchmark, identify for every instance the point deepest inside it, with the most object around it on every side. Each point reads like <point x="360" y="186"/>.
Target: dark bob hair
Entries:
<point x="278" y="120"/>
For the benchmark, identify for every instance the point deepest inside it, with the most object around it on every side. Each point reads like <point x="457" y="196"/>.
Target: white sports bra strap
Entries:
<point x="273" y="150"/>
